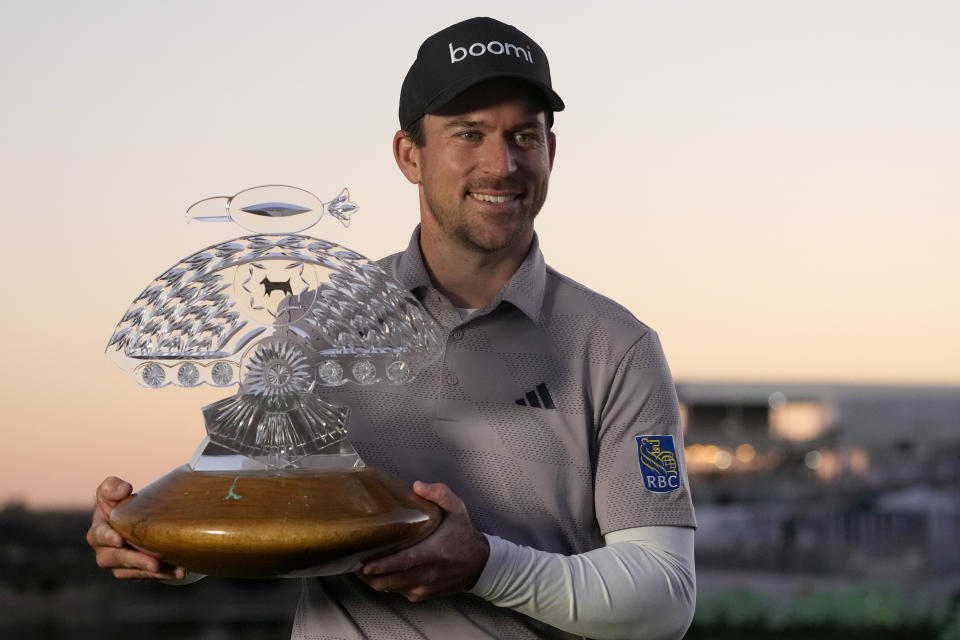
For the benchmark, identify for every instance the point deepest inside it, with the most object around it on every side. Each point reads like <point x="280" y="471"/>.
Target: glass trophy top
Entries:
<point x="279" y="314"/>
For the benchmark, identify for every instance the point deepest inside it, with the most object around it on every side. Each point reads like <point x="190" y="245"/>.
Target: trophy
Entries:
<point x="275" y="488"/>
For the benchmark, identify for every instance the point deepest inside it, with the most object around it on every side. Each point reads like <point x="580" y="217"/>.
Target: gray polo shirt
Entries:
<point x="552" y="414"/>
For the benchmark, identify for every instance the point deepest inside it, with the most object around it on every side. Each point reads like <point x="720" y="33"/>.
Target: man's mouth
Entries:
<point x="486" y="197"/>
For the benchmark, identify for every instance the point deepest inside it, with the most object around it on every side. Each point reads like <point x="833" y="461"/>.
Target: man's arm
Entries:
<point x="641" y="585"/>
<point x="112" y="551"/>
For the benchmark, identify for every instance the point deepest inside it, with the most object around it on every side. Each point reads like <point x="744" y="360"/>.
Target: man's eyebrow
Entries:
<point x="463" y="124"/>
<point x="532" y="123"/>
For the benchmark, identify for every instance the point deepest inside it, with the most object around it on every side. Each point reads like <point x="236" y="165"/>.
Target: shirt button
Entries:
<point x="452" y="379"/>
<point x="457" y="334"/>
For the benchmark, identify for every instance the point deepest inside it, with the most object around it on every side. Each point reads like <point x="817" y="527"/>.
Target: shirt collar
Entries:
<point x="524" y="290"/>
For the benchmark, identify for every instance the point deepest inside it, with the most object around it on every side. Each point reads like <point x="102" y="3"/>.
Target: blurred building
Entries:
<point x="834" y="478"/>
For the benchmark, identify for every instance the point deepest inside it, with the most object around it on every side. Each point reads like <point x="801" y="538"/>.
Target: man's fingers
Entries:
<point x="399" y="561"/>
<point x="112" y="551"/>
<point x="138" y="574"/>
<point x="132" y="564"/>
<point x="440" y="494"/>
<point x="447" y="561"/>
<point x="111" y="558"/>
<point x="425" y="550"/>
<point x="113" y="489"/>
<point x="102" y="534"/>
<point x="410" y="584"/>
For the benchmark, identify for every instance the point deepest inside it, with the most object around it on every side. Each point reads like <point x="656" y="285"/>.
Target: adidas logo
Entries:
<point x="539" y="398"/>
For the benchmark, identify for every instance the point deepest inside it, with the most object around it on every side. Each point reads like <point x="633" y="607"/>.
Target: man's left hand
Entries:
<point x="448" y="561"/>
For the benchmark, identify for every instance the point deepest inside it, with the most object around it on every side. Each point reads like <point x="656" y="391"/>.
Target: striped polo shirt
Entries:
<point x="552" y="414"/>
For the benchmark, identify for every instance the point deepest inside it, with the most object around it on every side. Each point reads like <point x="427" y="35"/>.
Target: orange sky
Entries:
<point x="769" y="185"/>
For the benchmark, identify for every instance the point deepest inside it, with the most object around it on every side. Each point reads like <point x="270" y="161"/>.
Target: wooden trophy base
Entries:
<point x="253" y="525"/>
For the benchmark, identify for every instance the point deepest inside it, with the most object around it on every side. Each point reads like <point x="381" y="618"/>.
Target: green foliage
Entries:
<point x="737" y="609"/>
<point x="865" y="610"/>
<point x="951" y="631"/>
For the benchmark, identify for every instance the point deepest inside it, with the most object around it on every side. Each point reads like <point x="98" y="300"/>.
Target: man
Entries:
<point x="551" y="427"/>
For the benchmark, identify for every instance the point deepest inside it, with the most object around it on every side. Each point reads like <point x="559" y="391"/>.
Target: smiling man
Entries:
<point x="482" y="166"/>
<point x="550" y="433"/>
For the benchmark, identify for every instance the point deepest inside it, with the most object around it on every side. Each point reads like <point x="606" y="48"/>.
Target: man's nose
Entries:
<point x="499" y="157"/>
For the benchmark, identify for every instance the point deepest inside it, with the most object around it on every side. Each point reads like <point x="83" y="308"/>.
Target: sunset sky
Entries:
<point x="771" y="185"/>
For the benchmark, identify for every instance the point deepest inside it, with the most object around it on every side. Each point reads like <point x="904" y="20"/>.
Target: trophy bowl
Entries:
<point x="248" y="525"/>
<point x="275" y="488"/>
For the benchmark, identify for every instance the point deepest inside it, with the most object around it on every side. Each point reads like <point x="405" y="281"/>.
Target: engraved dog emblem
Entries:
<point x="269" y="287"/>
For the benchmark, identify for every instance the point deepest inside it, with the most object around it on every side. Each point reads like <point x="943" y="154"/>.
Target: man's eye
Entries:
<point x="527" y="139"/>
<point x="469" y="135"/>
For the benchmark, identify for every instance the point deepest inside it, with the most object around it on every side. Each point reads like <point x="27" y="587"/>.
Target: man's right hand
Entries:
<point x="112" y="551"/>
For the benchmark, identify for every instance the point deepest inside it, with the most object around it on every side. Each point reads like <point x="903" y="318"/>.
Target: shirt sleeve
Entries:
<point x="640" y="477"/>
<point x="641" y="584"/>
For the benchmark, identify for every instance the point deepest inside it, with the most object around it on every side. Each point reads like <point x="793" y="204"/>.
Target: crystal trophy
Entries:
<point x="275" y="488"/>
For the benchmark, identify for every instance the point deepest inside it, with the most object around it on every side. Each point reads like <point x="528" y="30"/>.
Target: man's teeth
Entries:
<point x="498" y="199"/>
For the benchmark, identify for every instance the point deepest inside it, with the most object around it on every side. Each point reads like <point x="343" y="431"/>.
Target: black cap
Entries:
<point x="469" y="52"/>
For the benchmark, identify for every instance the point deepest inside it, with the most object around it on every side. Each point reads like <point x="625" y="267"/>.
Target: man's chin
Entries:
<point x="496" y="240"/>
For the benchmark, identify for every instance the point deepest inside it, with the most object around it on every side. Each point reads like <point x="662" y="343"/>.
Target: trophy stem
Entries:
<point x="279" y="432"/>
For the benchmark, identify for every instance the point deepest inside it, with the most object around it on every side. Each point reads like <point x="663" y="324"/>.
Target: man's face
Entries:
<point x="484" y="167"/>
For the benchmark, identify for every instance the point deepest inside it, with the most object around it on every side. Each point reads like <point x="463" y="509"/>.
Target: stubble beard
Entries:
<point x="456" y="224"/>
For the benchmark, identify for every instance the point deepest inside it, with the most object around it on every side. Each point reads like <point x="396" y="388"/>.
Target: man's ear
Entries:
<point x="552" y="147"/>
<point x="407" y="155"/>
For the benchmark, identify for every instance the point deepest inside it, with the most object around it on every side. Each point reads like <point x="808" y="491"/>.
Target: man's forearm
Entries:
<point x="641" y="585"/>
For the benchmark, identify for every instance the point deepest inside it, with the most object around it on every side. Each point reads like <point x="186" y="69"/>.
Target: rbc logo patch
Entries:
<point x="658" y="462"/>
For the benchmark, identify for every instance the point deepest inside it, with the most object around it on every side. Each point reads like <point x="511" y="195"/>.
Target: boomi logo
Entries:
<point x="494" y="47"/>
